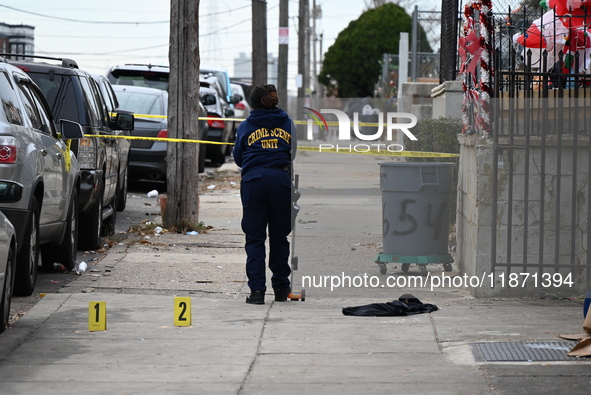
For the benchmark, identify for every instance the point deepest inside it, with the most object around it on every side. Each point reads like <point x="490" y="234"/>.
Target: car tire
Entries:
<point x="65" y="252"/>
<point x="109" y="223"/>
<point x="28" y="257"/>
<point x="201" y="165"/>
<point x="122" y="202"/>
<point x="91" y="225"/>
<point x="218" y="157"/>
<point x="8" y="289"/>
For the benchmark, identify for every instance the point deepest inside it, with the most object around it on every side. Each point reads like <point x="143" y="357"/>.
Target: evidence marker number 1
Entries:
<point x="97" y="316"/>
<point x="182" y="311"/>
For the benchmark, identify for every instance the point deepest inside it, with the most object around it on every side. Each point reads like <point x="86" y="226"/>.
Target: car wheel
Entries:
<point x="123" y="192"/>
<point x="216" y="153"/>
<point x="109" y="223"/>
<point x="91" y="224"/>
<point x="201" y="166"/>
<point x="28" y="257"/>
<point x="218" y="157"/>
<point x="230" y="147"/>
<point x="65" y="252"/>
<point x="8" y="287"/>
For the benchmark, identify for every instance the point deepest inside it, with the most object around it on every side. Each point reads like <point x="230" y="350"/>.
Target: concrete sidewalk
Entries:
<point x="292" y="347"/>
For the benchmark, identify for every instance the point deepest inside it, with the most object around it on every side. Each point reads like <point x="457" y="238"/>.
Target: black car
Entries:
<point x="74" y="94"/>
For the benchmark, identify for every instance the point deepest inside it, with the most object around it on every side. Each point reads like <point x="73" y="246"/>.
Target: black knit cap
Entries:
<point x="264" y="97"/>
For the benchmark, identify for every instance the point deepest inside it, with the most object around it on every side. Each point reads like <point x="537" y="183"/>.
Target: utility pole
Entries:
<point x="321" y="60"/>
<point x="302" y="33"/>
<point x="415" y="44"/>
<point x="283" y="52"/>
<point x="314" y="39"/>
<point x="259" y="42"/>
<point x="182" y="173"/>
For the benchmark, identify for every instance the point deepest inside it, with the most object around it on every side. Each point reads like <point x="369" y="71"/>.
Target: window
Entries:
<point x="10" y="103"/>
<point x="141" y="103"/>
<point x="91" y="103"/>
<point x="41" y="106"/>
<point x="30" y="107"/>
<point x="100" y="101"/>
<point x="60" y="95"/>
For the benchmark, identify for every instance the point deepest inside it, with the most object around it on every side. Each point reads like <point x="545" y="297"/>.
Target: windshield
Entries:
<point x="141" y="103"/>
<point x="150" y="79"/>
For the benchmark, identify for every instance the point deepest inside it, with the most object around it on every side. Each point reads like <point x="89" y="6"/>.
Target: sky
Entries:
<point x="102" y="33"/>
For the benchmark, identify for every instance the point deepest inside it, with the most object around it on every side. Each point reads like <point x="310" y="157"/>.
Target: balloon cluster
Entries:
<point x="563" y="31"/>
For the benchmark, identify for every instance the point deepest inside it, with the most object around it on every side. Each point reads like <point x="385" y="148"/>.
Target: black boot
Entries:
<point x="282" y="294"/>
<point x="256" y="297"/>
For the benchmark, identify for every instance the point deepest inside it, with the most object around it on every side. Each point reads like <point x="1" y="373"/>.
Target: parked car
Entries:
<point x="219" y="130"/>
<point x="7" y="268"/>
<point x="222" y="76"/>
<point x="242" y="108"/>
<point x="211" y="77"/>
<point x="74" y="95"/>
<point x="148" y="157"/>
<point x="39" y="177"/>
<point x="124" y="144"/>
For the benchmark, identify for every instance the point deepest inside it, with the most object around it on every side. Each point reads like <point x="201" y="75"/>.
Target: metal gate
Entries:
<point x="540" y="126"/>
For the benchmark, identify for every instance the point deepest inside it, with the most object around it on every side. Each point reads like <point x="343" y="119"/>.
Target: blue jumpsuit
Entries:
<point x="264" y="149"/>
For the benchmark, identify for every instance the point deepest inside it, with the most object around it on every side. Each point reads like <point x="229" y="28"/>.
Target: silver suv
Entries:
<point x="75" y="95"/>
<point x="39" y="177"/>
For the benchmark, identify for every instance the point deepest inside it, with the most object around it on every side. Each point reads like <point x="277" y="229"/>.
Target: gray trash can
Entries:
<point x="415" y="207"/>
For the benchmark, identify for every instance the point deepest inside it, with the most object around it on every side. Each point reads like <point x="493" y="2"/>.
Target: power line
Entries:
<point x="80" y="20"/>
<point x="225" y="11"/>
<point x="116" y="23"/>
<point x="111" y="53"/>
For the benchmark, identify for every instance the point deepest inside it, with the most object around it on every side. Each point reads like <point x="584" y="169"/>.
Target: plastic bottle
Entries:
<point x="59" y="267"/>
<point x="80" y="267"/>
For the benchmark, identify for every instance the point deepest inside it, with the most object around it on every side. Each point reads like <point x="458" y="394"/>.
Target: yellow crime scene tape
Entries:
<point x="339" y="150"/>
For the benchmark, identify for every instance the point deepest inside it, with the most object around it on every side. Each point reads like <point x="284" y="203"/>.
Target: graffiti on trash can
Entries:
<point x="411" y="222"/>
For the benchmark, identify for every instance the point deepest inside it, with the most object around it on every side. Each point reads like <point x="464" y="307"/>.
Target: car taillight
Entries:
<point x="240" y="106"/>
<point x="214" y="123"/>
<point x="163" y="134"/>
<point x="87" y="153"/>
<point x="7" y="150"/>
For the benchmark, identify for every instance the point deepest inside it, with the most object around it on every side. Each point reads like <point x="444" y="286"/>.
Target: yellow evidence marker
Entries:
<point x="97" y="316"/>
<point x="182" y="311"/>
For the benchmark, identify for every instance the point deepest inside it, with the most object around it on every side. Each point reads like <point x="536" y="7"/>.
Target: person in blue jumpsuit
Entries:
<point x="264" y="149"/>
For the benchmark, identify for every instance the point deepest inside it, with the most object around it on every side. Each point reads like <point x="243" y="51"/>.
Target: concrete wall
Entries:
<point x="417" y="99"/>
<point x="447" y="100"/>
<point x="474" y="221"/>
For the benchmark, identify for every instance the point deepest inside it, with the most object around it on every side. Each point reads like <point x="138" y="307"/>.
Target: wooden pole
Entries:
<point x="182" y="176"/>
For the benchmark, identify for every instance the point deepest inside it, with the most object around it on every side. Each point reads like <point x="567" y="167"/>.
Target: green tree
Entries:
<point x="352" y="66"/>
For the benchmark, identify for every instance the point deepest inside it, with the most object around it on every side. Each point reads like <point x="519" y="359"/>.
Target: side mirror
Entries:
<point x="123" y="120"/>
<point x="71" y="130"/>
<point x="229" y="113"/>
<point x="235" y="99"/>
<point x="10" y="191"/>
<point x="208" y="100"/>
